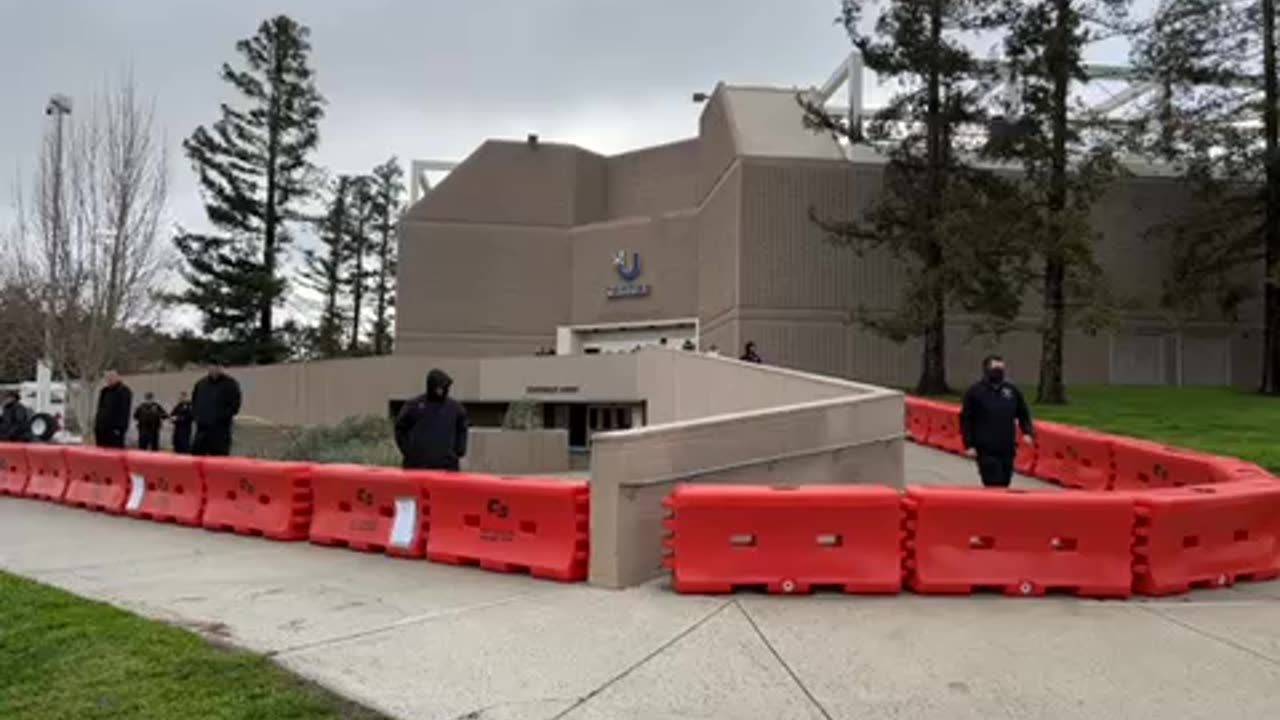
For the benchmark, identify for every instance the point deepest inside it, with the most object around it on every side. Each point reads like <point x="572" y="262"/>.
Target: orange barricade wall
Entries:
<point x="165" y="487"/>
<point x="1024" y="461"/>
<point x="1024" y="543"/>
<point x="369" y="508"/>
<point x="258" y="497"/>
<point x="787" y="539"/>
<point x="1208" y="535"/>
<point x="13" y="468"/>
<point x="99" y="479"/>
<point x="944" y="425"/>
<point x="1144" y="465"/>
<point x="509" y="524"/>
<point x="1073" y="457"/>
<point x="1228" y="469"/>
<point x="48" y="467"/>
<point x="917" y="419"/>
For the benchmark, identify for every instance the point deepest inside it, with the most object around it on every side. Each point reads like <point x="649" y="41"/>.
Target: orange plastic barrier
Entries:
<point x="165" y="487"/>
<point x="509" y="524"/>
<point x="1229" y="469"/>
<point x="369" y="508"/>
<point x="258" y="497"/>
<point x="99" y="479"/>
<point x="1024" y="461"/>
<point x="1023" y="543"/>
<point x="1144" y="465"/>
<point x="917" y="419"/>
<point x="944" y="425"/>
<point x="1073" y="457"/>
<point x="13" y="469"/>
<point x="1206" y="536"/>
<point x="787" y="539"/>
<point x="48" y="467"/>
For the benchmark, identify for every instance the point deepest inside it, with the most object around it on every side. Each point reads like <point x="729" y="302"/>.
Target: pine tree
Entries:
<point x="323" y="271"/>
<point x="1066" y="169"/>
<point x="1216" y="116"/>
<point x="948" y="219"/>
<point x="360" y="247"/>
<point x="254" y="172"/>
<point x="388" y="202"/>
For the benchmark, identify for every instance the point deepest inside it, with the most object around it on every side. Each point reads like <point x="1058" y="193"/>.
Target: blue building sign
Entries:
<point x="628" y="268"/>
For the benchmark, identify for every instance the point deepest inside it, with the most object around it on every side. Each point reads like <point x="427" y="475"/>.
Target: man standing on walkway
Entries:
<point x="149" y="417"/>
<point x="181" y="417"/>
<point x="987" y="419"/>
<point x="215" y="402"/>
<point x="111" y="422"/>
<point x="431" y="430"/>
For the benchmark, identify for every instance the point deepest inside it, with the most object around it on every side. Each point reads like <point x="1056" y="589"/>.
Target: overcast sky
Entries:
<point x="425" y="79"/>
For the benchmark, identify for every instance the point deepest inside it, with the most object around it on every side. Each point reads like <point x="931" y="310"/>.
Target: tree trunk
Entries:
<point x="1052" y="388"/>
<point x="933" y="372"/>
<point x="357" y="289"/>
<point x="380" y="318"/>
<point x="1271" y="123"/>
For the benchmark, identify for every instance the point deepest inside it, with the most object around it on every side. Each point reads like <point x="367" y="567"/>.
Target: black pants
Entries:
<point x="212" y="441"/>
<point x="109" y="438"/>
<point x="182" y="438"/>
<point x="149" y="439"/>
<point x="996" y="469"/>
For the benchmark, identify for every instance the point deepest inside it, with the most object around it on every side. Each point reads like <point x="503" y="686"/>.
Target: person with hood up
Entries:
<point x="15" y="419"/>
<point x="431" y="430"/>
<point x="149" y="416"/>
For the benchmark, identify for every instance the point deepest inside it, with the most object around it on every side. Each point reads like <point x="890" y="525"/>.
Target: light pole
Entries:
<point x="59" y="108"/>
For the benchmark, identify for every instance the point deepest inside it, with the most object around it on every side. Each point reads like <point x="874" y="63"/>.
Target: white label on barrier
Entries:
<point x="137" y="488"/>
<point x="406" y="522"/>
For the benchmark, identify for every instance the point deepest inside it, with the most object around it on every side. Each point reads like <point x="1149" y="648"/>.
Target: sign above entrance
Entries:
<point x="628" y="268"/>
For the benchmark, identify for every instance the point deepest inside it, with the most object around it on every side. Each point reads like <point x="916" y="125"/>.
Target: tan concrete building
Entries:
<point x="709" y="238"/>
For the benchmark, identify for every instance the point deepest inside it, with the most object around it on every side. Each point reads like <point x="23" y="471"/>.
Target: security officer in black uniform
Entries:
<point x="987" y="419"/>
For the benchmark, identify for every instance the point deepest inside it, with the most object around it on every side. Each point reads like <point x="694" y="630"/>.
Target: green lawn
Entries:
<point x="1218" y="420"/>
<point x="66" y="658"/>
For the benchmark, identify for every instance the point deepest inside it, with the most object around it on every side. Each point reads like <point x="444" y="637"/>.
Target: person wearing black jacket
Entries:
<point x="215" y="402"/>
<point x="431" y="430"/>
<point x="987" y="417"/>
<point x="15" y="419"/>
<point x="111" y="422"/>
<point x="181" y="417"/>
<point x="149" y="416"/>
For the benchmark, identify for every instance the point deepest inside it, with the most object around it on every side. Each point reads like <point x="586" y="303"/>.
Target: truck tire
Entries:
<point x="43" y="427"/>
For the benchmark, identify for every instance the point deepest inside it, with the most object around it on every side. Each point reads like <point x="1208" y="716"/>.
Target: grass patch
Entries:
<point x="1213" y="419"/>
<point x="63" y="658"/>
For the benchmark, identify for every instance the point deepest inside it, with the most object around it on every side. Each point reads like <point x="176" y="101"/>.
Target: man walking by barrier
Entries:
<point x="431" y="430"/>
<point x="111" y="421"/>
<point x="215" y="402"/>
<point x="149" y="416"/>
<point x="15" y="419"/>
<point x="181" y="417"/>
<point x="987" y="417"/>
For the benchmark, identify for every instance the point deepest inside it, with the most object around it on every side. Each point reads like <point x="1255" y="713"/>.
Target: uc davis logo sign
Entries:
<point x="628" y="268"/>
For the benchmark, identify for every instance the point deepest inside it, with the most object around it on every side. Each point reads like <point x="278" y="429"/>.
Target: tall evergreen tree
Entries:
<point x="360" y="249"/>
<point x="1066" y="169"/>
<point x="323" y="270"/>
<point x="388" y="202"/>
<point x="948" y="219"/>
<point x="254" y="170"/>
<point x="1216" y="115"/>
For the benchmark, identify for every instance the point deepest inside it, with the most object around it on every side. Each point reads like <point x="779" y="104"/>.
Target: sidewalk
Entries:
<point x="425" y="641"/>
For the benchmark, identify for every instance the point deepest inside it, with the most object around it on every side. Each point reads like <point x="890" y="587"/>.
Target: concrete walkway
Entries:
<point x="431" y="642"/>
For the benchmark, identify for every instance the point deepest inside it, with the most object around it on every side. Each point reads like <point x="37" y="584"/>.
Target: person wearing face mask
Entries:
<point x="987" y="417"/>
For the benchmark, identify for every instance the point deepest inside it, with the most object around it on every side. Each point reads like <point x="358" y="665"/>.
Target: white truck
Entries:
<point x="47" y="401"/>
